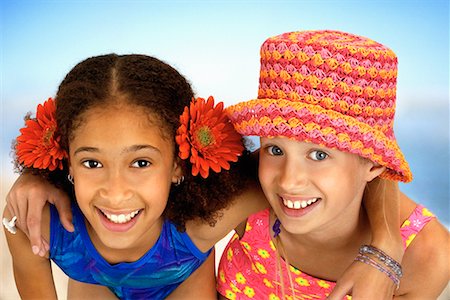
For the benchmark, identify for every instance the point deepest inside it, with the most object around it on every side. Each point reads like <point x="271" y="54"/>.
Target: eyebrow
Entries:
<point x="133" y="148"/>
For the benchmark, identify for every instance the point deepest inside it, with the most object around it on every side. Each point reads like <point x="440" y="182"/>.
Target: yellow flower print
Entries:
<point x="230" y="254"/>
<point x="426" y="212"/>
<point x="406" y="223"/>
<point x="248" y="227"/>
<point x="272" y="245"/>
<point x="272" y="296"/>
<point x="294" y="270"/>
<point x="249" y="292"/>
<point x="323" y="283"/>
<point x="240" y="278"/>
<point x="410" y="239"/>
<point x="230" y="295"/>
<point x="263" y="253"/>
<point x="261" y="268"/>
<point x="246" y="246"/>
<point x="222" y="276"/>
<point x="302" y="281"/>
<point x="234" y="288"/>
<point x="268" y="283"/>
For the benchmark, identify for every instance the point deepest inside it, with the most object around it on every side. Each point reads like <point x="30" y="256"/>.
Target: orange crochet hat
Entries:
<point x="330" y="88"/>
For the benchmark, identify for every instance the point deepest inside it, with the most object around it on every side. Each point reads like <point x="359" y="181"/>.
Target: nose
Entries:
<point x="292" y="175"/>
<point x="115" y="187"/>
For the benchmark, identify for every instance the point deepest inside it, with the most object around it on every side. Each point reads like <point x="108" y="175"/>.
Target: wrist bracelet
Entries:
<point x="383" y="257"/>
<point x="367" y="260"/>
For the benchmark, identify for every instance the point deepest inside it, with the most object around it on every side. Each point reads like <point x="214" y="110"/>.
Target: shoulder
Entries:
<point x="246" y="203"/>
<point x="426" y="260"/>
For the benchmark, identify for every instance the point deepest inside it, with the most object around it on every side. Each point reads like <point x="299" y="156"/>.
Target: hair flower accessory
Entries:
<point x="38" y="146"/>
<point x="207" y="137"/>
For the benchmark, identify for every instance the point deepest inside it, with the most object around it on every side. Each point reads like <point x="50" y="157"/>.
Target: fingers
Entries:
<point x="26" y="200"/>
<point x="34" y="219"/>
<point x="62" y="204"/>
<point x="343" y="286"/>
<point x="17" y="206"/>
<point x="339" y="292"/>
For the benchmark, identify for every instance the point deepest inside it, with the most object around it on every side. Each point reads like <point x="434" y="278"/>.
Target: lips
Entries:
<point x="118" y="222"/>
<point x="298" y="206"/>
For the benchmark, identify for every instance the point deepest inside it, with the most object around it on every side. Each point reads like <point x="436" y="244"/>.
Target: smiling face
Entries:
<point x="312" y="188"/>
<point x="123" y="168"/>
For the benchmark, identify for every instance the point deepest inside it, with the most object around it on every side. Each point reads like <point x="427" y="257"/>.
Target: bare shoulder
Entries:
<point x="426" y="263"/>
<point x="248" y="202"/>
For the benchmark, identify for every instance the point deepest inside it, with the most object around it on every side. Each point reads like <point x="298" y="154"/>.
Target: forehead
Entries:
<point x="120" y="124"/>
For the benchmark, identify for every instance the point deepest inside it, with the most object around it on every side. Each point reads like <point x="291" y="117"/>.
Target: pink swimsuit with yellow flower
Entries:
<point x="248" y="268"/>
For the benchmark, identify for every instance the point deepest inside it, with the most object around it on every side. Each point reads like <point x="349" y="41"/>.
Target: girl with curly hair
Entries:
<point x="142" y="215"/>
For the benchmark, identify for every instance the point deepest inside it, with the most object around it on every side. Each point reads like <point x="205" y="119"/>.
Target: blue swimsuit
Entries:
<point x="154" y="276"/>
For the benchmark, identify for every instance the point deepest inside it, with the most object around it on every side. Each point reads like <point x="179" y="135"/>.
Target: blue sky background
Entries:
<point x="215" y="44"/>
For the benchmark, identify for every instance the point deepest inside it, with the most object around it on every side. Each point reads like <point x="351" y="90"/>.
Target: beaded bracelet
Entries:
<point x="383" y="257"/>
<point x="367" y="260"/>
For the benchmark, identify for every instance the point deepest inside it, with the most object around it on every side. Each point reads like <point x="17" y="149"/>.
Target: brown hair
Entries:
<point x="157" y="87"/>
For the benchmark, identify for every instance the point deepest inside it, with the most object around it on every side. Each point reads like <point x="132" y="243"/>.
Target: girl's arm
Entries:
<point x="26" y="199"/>
<point x="248" y="202"/>
<point x="33" y="274"/>
<point x="381" y="201"/>
<point x="426" y="264"/>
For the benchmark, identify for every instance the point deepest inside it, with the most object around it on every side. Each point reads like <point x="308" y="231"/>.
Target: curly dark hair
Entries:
<point x="162" y="91"/>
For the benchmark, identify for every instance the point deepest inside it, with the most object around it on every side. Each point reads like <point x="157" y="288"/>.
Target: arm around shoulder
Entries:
<point x="248" y="202"/>
<point x="426" y="264"/>
<point x="32" y="273"/>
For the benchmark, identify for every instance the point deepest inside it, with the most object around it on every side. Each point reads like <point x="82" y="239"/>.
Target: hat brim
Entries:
<point x="313" y="123"/>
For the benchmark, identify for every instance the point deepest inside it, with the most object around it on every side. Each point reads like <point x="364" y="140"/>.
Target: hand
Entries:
<point x="363" y="282"/>
<point x="26" y="200"/>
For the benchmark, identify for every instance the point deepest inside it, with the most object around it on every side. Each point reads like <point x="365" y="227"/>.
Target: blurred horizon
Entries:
<point x="216" y="44"/>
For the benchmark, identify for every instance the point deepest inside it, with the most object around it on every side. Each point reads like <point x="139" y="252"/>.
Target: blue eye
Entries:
<point x="92" y="164"/>
<point x="318" y="155"/>
<point x="274" y="150"/>
<point x="140" y="163"/>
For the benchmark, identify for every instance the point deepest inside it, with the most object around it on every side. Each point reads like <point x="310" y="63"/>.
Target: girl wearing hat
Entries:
<point x="324" y="115"/>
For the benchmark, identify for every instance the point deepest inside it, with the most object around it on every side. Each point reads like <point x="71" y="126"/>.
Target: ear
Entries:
<point x="373" y="170"/>
<point x="177" y="171"/>
<point x="70" y="167"/>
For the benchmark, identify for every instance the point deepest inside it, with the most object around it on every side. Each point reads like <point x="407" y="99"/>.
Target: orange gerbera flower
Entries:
<point x="38" y="146"/>
<point x="207" y="136"/>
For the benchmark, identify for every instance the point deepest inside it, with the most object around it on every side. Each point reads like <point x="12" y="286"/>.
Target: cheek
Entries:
<point x="265" y="171"/>
<point x="83" y="190"/>
<point x="346" y="182"/>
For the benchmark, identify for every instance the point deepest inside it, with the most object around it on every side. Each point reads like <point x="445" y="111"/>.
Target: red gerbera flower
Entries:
<point x="207" y="136"/>
<point x="38" y="146"/>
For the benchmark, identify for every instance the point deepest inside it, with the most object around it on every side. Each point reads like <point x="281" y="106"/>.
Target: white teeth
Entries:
<point x="299" y="204"/>
<point x="120" y="219"/>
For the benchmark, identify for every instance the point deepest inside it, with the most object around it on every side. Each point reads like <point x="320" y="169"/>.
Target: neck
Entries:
<point x="129" y="254"/>
<point x="352" y="231"/>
